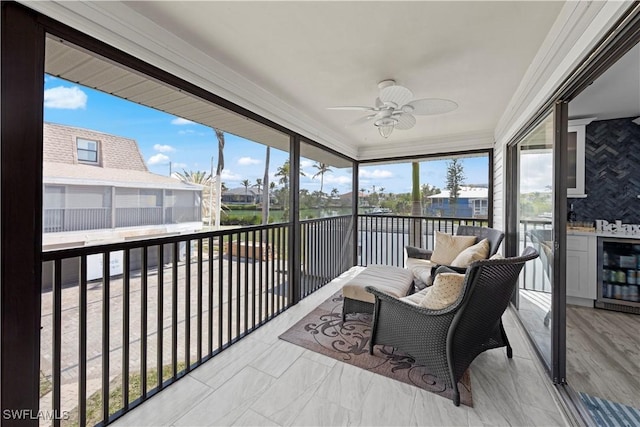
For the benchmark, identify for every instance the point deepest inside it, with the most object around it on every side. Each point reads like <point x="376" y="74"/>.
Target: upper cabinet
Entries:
<point x="576" y="152"/>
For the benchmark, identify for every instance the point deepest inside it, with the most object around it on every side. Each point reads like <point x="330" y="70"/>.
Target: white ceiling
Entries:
<point x="313" y="55"/>
<point x="615" y="94"/>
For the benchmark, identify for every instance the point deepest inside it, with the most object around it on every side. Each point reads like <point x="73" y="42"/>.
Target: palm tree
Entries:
<point x="322" y="169"/>
<point x="195" y="177"/>
<point x="220" y="136"/>
<point x="246" y="184"/>
<point x="283" y="173"/>
<point x="258" y="184"/>
<point x="201" y="178"/>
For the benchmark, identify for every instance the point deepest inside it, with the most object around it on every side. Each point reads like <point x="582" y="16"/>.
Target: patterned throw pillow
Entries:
<point x="473" y="253"/>
<point x="448" y="247"/>
<point x="445" y="291"/>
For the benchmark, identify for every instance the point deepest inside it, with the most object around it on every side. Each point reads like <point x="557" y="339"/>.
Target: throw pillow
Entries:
<point x="445" y="291"/>
<point x="497" y="256"/>
<point x="473" y="253"/>
<point x="448" y="247"/>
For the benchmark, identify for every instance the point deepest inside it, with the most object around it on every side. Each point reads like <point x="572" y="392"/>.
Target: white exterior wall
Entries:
<point x="577" y="30"/>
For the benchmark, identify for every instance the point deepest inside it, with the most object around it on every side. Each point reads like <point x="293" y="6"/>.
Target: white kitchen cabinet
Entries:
<point x="581" y="269"/>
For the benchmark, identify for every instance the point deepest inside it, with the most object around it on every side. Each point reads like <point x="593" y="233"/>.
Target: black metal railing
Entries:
<point x="382" y="238"/>
<point x="326" y="251"/>
<point x="537" y="275"/>
<point x="122" y="321"/>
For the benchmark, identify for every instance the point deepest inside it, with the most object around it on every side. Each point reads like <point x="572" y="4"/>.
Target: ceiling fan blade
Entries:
<point x="429" y="106"/>
<point x="362" y="120"/>
<point x="405" y="121"/>
<point x="352" y="108"/>
<point x="379" y="103"/>
<point x="397" y="94"/>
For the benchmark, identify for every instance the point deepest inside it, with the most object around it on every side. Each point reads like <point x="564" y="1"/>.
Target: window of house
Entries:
<point x="87" y="150"/>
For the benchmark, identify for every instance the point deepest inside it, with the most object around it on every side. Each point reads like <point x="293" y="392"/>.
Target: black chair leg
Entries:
<point x="456" y="395"/>
<point x="506" y="341"/>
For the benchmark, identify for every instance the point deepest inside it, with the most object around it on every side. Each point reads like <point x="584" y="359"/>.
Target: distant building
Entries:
<point x="244" y="196"/>
<point x="363" y="199"/>
<point x="97" y="188"/>
<point x="473" y="202"/>
<point x="241" y="195"/>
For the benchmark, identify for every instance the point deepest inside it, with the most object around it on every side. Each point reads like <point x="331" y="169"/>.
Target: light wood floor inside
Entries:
<point x="603" y="354"/>
<point x="264" y="381"/>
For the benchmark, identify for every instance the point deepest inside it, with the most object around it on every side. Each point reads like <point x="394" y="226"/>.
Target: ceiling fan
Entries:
<point x="394" y="108"/>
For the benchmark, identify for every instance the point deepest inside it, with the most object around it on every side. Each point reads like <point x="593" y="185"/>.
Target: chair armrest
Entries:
<point x="419" y="253"/>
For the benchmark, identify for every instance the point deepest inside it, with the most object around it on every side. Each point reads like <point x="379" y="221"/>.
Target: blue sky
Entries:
<point x="164" y="139"/>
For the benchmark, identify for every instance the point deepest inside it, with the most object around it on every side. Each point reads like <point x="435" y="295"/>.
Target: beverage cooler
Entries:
<point x="619" y="274"/>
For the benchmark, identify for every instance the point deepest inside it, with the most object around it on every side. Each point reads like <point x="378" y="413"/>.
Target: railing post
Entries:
<point x="23" y="46"/>
<point x="293" y="241"/>
<point x="355" y="194"/>
<point x="113" y="207"/>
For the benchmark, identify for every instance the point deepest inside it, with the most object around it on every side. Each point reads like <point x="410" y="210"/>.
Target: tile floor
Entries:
<point x="264" y="381"/>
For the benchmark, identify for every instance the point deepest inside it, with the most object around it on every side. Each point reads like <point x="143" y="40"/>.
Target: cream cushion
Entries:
<point x="448" y="247"/>
<point x="416" y="298"/>
<point x="421" y="269"/>
<point x="497" y="256"/>
<point x="473" y="253"/>
<point x="445" y="291"/>
<point x="395" y="281"/>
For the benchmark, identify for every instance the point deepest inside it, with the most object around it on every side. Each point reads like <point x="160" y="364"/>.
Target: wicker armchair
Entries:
<point x="447" y="341"/>
<point x="493" y="235"/>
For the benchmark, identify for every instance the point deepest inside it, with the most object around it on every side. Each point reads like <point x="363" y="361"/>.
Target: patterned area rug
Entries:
<point x="323" y="331"/>
<point x="606" y="413"/>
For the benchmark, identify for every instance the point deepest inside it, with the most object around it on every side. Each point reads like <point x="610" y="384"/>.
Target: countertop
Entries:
<point x="593" y="233"/>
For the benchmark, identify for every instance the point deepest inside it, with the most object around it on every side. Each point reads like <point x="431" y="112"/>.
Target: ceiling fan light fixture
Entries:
<point x="385" y="126"/>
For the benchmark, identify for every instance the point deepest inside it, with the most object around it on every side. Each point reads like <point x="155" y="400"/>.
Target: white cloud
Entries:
<point x="158" y="159"/>
<point x="536" y="172"/>
<point x="164" y="148"/>
<point x="180" y="121"/>
<point x="178" y="165"/>
<point x="228" y="175"/>
<point x="377" y="173"/>
<point x="248" y="161"/>
<point x="339" y="180"/>
<point x="306" y="163"/>
<point x="186" y="132"/>
<point x="68" y="98"/>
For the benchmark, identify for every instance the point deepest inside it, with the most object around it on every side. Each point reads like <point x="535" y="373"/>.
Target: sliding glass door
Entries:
<point x="537" y="185"/>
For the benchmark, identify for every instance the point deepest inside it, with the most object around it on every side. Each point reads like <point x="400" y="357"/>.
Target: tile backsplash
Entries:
<point x="612" y="172"/>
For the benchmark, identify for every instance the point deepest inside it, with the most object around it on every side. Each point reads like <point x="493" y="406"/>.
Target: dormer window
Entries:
<point x="87" y="150"/>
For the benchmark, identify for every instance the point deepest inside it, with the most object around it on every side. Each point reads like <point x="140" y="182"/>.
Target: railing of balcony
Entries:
<point x="120" y="322"/>
<point x="536" y="275"/>
<point x="59" y="220"/>
<point x="326" y="251"/>
<point x="79" y="219"/>
<point x="382" y="238"/>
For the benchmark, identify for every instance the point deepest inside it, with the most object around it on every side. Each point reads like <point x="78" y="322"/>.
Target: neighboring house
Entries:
<point x="363" y="199"/>
<point x="241" y="195"/>
<point x="473" y="202"/>
<point x="97" y="188"/>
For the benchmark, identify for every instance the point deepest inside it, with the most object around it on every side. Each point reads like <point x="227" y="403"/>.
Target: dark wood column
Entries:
<point x="22" y="81"/>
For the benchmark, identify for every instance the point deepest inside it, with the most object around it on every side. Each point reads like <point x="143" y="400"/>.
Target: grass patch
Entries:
<point x="116" y="397"/>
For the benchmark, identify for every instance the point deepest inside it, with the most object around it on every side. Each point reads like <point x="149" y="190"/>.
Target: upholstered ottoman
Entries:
<point x="394" y="281"/>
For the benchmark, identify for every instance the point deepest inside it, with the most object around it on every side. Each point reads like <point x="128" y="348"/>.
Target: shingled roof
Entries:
<point x="120" y="162"/>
